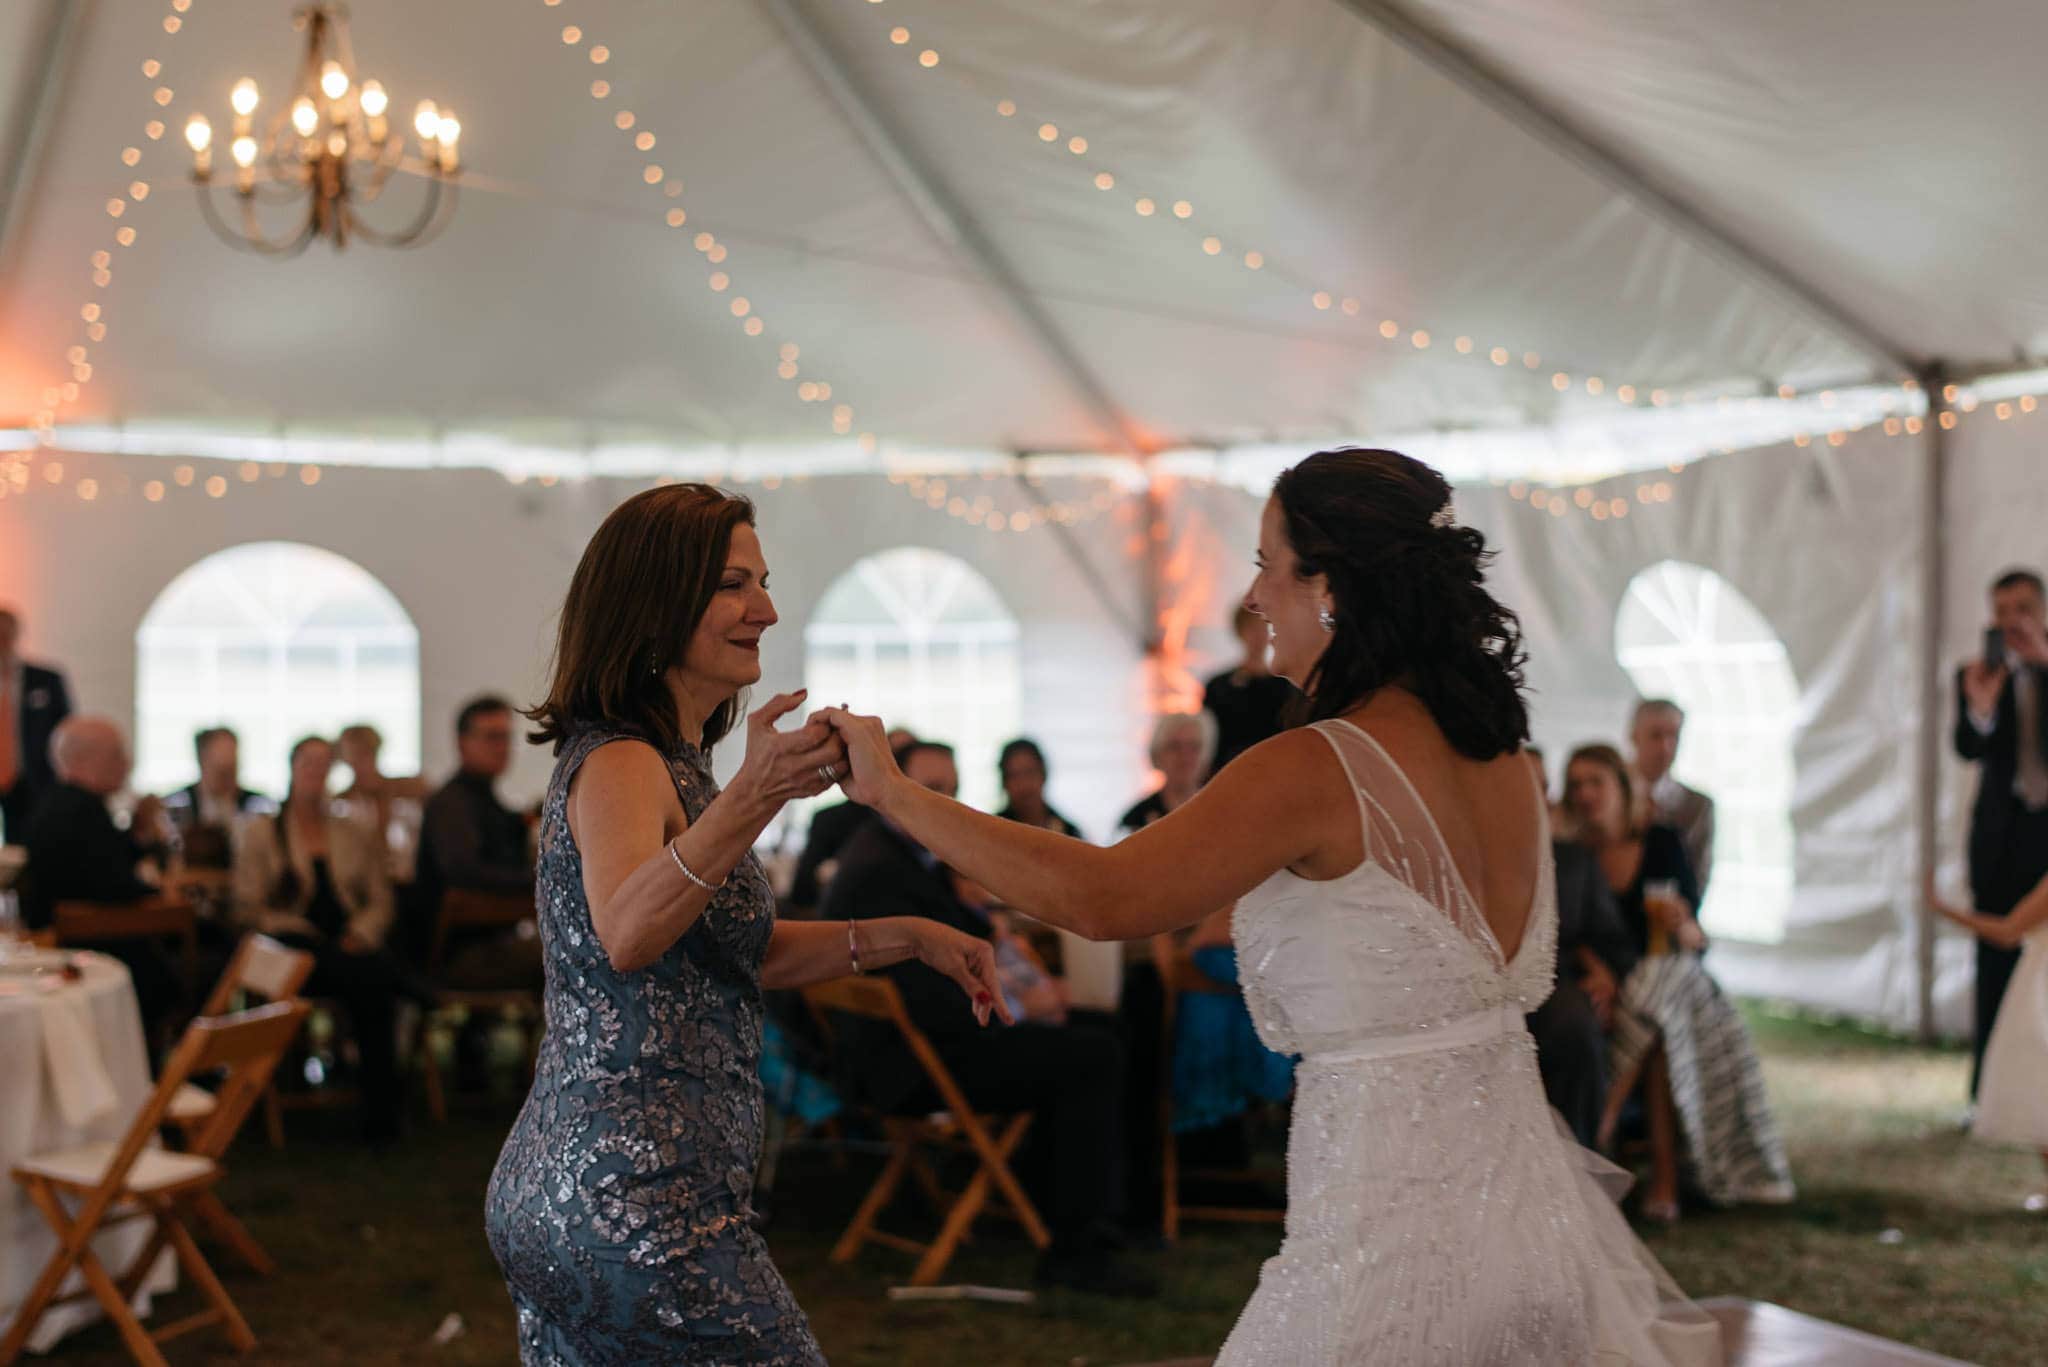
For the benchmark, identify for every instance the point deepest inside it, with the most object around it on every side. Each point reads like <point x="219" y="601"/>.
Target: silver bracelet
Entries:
<point x="853" y="950"/>
<point x="684" y="869"/>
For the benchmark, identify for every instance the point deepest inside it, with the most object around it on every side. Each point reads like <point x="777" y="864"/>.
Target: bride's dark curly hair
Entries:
<point x="1411" y="604"/>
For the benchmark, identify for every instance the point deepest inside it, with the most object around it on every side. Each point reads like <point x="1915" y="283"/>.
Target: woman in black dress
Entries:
<point x="1675" y="1031"/>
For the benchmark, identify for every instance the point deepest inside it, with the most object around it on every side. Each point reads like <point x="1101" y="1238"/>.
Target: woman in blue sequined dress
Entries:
<point x="621" y="1207"/>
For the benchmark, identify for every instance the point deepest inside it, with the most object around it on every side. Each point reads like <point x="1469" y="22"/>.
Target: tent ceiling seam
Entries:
<point x="945" y="215"/>
<point x="1510" y="98"/>
<point x="34" y="117"/>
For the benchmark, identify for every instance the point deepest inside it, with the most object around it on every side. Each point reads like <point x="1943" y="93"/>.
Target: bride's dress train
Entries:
<point x="1436" y="1211"/>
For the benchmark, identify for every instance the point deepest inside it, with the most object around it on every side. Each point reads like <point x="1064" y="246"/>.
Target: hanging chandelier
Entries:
<point x="331" y="150"/>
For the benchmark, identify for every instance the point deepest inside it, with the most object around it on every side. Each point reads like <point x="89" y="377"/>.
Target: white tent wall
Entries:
<point x="1826" y="542"/>
<point x="481" y="566"/>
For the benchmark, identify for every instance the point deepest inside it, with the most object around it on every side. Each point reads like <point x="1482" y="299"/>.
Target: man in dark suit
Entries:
<point x="831" y="828"/>
<point x="207" y="812"/>
<point x="77" y="854"/>
<point x="1071" y="1076"/>
<point x="2002" y="726"/>
<point x="33" y="701"/>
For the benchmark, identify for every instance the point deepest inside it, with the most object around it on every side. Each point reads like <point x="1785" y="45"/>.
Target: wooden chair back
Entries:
<point x="262" y="967"/>
<point x="465" y="909"/>
<point x="153" y="918"/>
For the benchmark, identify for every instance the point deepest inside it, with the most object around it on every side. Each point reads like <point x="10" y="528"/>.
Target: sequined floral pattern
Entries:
<point x="620" y="1209"/>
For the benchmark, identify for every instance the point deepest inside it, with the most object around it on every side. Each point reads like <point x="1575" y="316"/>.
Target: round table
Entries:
<point x="38" y="1114"/>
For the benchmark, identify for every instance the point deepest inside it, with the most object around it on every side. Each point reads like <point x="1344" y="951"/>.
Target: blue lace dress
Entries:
<point x="620" y="1207"/>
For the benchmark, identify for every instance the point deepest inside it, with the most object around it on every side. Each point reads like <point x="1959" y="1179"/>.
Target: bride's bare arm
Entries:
<point x="1272" y="807"/>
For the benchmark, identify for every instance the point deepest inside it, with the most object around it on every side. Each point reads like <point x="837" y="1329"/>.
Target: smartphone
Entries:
<point x="1994" y="648"/>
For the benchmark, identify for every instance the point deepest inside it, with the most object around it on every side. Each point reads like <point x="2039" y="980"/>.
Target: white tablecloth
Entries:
<point x="33" y="1118"/>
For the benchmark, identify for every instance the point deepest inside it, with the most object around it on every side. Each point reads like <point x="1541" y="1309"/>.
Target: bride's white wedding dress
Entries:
<point x="1436" y="1212"/>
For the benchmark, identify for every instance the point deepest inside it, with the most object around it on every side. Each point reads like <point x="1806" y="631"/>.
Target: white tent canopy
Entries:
<point x="1528" y="240"/>
<point x="1702" y="200"/>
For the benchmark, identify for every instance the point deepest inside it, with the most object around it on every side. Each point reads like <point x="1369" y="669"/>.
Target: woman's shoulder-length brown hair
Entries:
<point x="638" y="593"/>
<point x="1634" y="801"/>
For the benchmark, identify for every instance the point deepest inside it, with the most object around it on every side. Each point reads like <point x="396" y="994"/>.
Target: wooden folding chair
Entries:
<point x="112" y="1183"/>
<point x="1177" y="975"/>
<point x="991" y="1139"/>
<point x="153" y="918"/>
<point x="262" y="970"/>
<point x="464" y="909"/>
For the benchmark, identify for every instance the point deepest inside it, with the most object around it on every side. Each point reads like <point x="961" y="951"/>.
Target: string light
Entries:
<point x="77" y="355"/>
<point x="812" y="390"/>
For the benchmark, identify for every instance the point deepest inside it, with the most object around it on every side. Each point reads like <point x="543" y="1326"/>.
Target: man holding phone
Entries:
<point x="2002" y="725"/>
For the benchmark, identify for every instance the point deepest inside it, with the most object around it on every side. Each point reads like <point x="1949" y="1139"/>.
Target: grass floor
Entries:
<point x="1903" y="1228"/>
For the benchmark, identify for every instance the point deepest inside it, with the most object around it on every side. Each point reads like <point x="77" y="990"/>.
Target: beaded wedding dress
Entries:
<point x="1436" y="1211"/>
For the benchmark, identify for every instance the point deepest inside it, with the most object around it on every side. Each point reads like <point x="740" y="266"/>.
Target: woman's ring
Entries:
<point x="828" y="773"/>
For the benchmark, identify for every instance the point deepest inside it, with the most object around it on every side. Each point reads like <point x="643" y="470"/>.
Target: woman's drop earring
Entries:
<point x="1328" y="619"/>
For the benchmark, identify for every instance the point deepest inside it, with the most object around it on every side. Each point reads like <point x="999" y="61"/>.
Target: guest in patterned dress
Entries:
<point x="1675" y="1032"/>
<point x="621" y="1207"/>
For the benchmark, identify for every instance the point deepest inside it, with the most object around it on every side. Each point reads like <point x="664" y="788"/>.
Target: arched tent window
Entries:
<point x="922" y="640"/>
<point x="279" y="641"/>
<point x="1685" y="633"/>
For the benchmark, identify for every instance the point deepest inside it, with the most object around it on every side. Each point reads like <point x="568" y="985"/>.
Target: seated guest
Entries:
<point x="831" y="828"/>
<point x="206" y="813"/>
<point x="1024" y="774"/>
<point x="1220" y="1066"/>
<point x="1674" y="1030"/>
<point x="1248" y="701"/>
<point x="1183" y="751"/>
<point x="1595" y="955"/>
<point x="391" y="806"/>
<point x="470" y="840"/>
<point x="77" y="854"/>
<point x="33" y="700"/>
<point x="316" y="880"/>
<point x="1030" y="990"/>
<point x="1071" y="1076"/>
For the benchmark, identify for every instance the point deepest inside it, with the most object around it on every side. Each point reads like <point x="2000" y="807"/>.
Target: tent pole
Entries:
<point x="1135" y="625"/>
<point x="942" y="211"/>
<point x="1548" y="124"/>
<point x="1933" y="586"/>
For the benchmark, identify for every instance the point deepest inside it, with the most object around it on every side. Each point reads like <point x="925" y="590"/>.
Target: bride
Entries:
<point x="1396" y="918"/>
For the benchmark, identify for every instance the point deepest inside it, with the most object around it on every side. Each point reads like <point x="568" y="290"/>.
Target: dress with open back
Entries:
<point x="1436" y="1210"/>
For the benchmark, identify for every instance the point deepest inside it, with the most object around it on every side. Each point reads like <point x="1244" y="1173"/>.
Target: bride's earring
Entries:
<point x="1327" y="619"/>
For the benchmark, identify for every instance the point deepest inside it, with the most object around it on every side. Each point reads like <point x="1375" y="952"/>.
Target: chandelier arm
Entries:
<point x="382" y="167"/>
<point x="251" y="240"/>
<point x="425" y="226"/>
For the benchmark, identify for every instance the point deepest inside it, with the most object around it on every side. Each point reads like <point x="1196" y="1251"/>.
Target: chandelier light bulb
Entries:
<point x="305" y="117"/>
<point x="333" y="81"/>
<point x="426" y="121"/>
<point x="245" y="151"/>
<point x="244" y="97"/>
<point x="450" y="131"/>
<point x="374" y="100"/>
<point x="198" y="133"/>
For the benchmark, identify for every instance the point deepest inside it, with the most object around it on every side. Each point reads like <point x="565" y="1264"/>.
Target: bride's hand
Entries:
<point x="872" y="764"/>
<point x="968" y="961"/>
<point x="782" y="766"/>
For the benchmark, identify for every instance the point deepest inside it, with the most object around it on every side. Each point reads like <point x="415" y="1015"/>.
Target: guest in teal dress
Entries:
<point x="621" y="1208"/>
